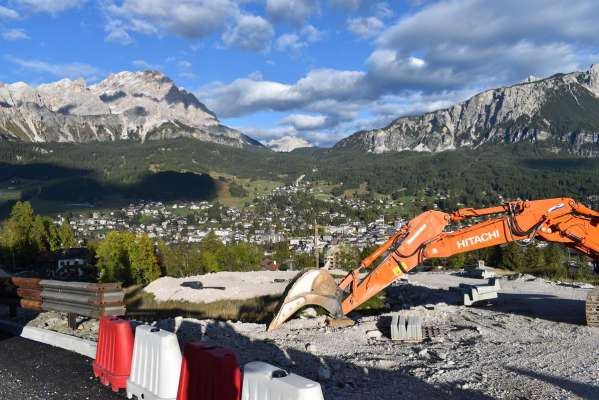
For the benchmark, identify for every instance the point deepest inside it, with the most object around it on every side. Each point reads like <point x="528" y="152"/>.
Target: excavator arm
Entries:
<point x="560" y="220"/>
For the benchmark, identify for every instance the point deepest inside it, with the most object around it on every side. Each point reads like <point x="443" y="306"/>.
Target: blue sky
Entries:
<point x="315" y="69"/>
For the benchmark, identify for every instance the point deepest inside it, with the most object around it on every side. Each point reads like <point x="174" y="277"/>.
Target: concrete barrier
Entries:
<point x="262" y="381"/>
<point x="156" y="365"/>
<point x="67" y="342"/>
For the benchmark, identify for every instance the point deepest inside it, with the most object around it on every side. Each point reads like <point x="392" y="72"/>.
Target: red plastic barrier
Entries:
<point x="209" y="373"/>
<point x="115" y="349"/>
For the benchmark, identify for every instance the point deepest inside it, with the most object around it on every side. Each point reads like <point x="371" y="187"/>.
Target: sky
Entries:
<point x="319" y="70"/>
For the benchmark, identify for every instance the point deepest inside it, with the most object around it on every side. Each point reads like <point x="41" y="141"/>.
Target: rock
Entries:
<point x="309" y="312"/>
<point x="310" y="348"/>
<point x="423" y="353"/>
<point x="374" y="334"/>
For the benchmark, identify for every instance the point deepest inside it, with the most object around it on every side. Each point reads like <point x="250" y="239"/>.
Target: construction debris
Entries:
<point x="476" y="293"/>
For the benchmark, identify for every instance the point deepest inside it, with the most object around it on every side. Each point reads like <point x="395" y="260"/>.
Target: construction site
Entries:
<point x="475" y="333"/>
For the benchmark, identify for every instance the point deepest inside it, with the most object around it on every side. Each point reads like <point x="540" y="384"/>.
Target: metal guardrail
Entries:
<point x="92" y="300"/>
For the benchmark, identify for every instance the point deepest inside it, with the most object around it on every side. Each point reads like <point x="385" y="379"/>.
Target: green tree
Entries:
<point x="348" y="257"/>
<point x="457" y="261"/>
<point x="512" y="257"/>
<point x="113" y="258"/>
<point x="17" y="236"/>
<point x="143" y="261"/>
<point x="66" y="235"/>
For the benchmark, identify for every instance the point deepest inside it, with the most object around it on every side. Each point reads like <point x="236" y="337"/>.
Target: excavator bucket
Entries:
<point x="314" y="287"/>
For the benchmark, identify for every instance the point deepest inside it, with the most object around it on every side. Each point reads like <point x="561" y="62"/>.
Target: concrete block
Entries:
<point x="406" y="327"/>
<point x="475" y="293"/>
<point x="478" y="272"/>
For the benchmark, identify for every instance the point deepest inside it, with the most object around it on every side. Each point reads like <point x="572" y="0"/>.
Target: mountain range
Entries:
<point x="127" y="105"/>
<point x="561" y="111"/>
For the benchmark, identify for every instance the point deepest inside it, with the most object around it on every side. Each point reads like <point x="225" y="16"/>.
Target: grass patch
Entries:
<point x="374" y="305"/>
<point x="144" y="305"/>
<point x="254" y="187"/>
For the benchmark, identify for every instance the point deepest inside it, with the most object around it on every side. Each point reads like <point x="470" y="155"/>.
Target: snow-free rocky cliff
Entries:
<point x="561" y="111"/>
<point x="127" y="105"/>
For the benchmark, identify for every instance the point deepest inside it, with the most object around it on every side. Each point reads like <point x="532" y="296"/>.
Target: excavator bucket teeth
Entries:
<point x="314" y="287"/>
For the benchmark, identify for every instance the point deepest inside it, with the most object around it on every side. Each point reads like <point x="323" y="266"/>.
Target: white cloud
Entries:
<point x="70" y="70"/>
<point x="302" y="122"/>
<point x="117" y="32"/>
<point x="383" y="10"/>
<point x="294" y="42"/>
<point x="184" y="64"/>
<point x="245" y="95"/>
<point x="250" y="33"/>
<point x="312" y="34"/>
<point x="142" y="64"/>
<point x="485" y="43"/>
<point x="8" y="13"/>
<point x="186" y="18"/>
<point x="365" y="27"/>
<point x="296" y="11"/>
<point x="15" y="34"/>
<point x="50" y="6"/>
<point x="290" y="42"/>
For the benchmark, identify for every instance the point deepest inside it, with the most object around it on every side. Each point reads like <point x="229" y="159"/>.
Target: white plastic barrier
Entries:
<point x="262" y="381"/>
<point x="155" y="366"/>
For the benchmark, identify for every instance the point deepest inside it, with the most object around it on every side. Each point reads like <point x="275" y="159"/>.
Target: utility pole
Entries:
<point x="316" y="258"/>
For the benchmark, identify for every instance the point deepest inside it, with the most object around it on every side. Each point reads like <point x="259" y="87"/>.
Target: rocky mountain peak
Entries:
<point x="560" y="111"/>
<point x="594" y="79"/>
<point x="126" y="105"/>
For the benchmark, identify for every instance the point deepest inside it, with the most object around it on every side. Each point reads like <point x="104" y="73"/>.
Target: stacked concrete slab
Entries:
<point x="406" y="326"/>
<point x="477" y="293"/>
<point x="479" y="271"/>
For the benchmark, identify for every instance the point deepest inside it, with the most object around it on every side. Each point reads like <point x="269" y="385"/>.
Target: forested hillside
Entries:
<point x="178" y="169"/>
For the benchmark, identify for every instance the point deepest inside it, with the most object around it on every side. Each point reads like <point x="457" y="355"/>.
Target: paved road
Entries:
<point x="31" y="370"/>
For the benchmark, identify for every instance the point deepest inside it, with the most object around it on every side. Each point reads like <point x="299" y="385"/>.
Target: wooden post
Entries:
<point x="72" y="321"/>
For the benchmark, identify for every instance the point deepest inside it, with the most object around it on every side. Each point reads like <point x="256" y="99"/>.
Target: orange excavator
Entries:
<point x="560" y="220"/>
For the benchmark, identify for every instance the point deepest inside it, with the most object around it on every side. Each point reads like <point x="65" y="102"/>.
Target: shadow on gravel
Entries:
<point x="348" y="381"/>
<point x="544" y="306"/>
<point x="582" y="390"/>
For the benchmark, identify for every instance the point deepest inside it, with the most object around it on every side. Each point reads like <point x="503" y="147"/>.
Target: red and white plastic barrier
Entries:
<point x="262" y="381"/>
<point x="156" y="365"/>
<point x="151" y="367"/>
<point x="114" y="351"/>
<point x="209" y="373"/>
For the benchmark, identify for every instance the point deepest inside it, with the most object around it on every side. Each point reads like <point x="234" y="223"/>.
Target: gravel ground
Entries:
<point x="35" y="371"/>
<point x="527" y="344"/>
<point x="221" y="286"/>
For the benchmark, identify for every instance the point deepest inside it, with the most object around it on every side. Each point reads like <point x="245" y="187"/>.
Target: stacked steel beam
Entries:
<point x="21" y="292"/>
<point x="79" y="298"/>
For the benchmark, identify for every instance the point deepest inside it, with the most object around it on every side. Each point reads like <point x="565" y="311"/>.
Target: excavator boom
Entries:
<point x="560" y="220"/>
